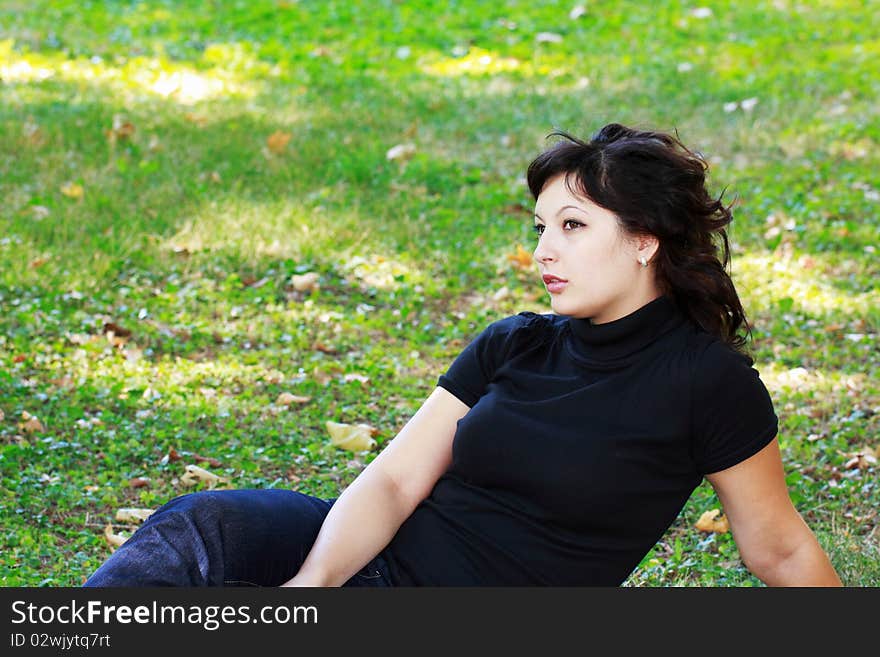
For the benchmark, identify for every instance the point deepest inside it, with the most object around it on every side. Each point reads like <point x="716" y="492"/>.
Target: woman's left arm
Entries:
<point x="773" y="540"/>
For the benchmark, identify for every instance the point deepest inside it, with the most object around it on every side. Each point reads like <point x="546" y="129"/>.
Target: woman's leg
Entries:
<point x="217" y="538"/>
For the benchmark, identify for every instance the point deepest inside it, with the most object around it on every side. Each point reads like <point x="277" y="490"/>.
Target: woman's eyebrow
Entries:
<point x="562" y="209"/>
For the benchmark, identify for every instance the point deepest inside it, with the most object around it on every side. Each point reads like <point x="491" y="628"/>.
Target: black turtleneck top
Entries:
<point x="582" y="444"/>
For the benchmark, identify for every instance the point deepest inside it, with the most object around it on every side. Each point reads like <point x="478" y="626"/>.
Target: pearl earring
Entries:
<point x="643" y="261"/>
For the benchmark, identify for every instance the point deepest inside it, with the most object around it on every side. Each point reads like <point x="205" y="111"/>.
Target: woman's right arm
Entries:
<point x="368" y="513"/>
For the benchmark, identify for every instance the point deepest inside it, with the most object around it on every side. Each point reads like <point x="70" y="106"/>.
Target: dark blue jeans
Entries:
<point x="226" y="538"/>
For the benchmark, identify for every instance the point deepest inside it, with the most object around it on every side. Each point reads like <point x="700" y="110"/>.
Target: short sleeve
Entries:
<point x="733" y="416"/>
<point x="470" y="373"/>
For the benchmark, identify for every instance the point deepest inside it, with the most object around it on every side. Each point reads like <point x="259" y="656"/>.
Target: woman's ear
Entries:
<point x="646" y="246"/>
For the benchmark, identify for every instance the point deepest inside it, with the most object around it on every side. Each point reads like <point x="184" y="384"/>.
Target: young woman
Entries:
<point x="557" y="448"/>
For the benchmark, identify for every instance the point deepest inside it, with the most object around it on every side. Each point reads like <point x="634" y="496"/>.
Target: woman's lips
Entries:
<point x="554" y="284"/>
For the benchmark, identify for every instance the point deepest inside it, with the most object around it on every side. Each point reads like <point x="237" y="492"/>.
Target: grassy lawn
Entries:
<point x="168" y="168"/>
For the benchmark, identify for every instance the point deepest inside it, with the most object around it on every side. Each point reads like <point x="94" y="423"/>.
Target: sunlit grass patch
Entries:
<point x="255" y="229"/>
<point x="477" y="61"/>
<point x="230" y="72"/>
<point x="780" y="380"/>
<point x="766" y="279"/>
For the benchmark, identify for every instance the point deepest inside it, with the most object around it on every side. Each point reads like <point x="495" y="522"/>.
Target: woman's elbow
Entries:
<point x="800" y="563"/>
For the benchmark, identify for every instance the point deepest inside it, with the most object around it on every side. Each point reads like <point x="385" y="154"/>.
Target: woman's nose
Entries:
<point x="542" y="252"/>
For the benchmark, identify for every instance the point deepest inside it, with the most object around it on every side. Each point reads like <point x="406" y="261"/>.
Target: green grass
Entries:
<point x="189" y="229"/>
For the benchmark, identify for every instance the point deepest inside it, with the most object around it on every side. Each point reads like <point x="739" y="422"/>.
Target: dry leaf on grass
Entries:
<point x="713" y="521"/>
<point x="31" y="423"/>
<point x="121" y="130"/>
<point x="401" y="152"/>
<point x="286" y="399"/>
<point x="116" y="330"/>
<point x="305" y="282"/>
<point x="115" y="540"/>
<point x="327" y="349"/>
<point x="170" y="457"/>
<point x="195" y="474"/>
<point x="133" y="515"/>
<point x="2" y="415"/>
<point x="72" y="190"/>
<point x="210" y="460"/>
<point x="322" y="377"/>
<point x="277" y="141"/>
<point x="862" y="459"/>
<point x="522" y="259"/>
<point x="200" y="121"/>
<point x="353" y="437"/>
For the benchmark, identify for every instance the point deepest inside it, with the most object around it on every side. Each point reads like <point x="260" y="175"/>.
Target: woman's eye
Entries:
<point x="539" y="228"/>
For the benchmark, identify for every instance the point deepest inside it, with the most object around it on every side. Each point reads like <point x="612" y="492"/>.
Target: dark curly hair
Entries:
<point x="655" y="185"/>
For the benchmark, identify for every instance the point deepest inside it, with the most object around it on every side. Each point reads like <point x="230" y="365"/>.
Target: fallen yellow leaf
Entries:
<point x="522" y="259"/>
<point x="133" y="515"/>
<point x="72" y="190"/>
<point x="115" y="540"/>
<point x="353" y="437"/>
<point x="401" y="152"/>
<point x="195" y="474"/>
<point x="31" y="423"/>
<point x="321" y="377"/>
<point x="862" y="459"/>
<point x="277" y="141"/>
<point x="121" y="130"/>
<point x="286" y="399"/>
<point x="305" y="282"/>
<point x="200" y="121"/>
<point x="713" y="521"/>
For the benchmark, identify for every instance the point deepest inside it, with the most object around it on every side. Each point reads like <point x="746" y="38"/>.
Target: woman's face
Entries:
<point x="581" y="243"/>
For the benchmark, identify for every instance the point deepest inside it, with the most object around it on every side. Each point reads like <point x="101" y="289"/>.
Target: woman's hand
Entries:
<point x="303" y="579"/>
<point x="292" y="582"/>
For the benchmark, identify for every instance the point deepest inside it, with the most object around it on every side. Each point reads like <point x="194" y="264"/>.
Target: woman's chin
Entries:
<point x="560" y="307"/>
